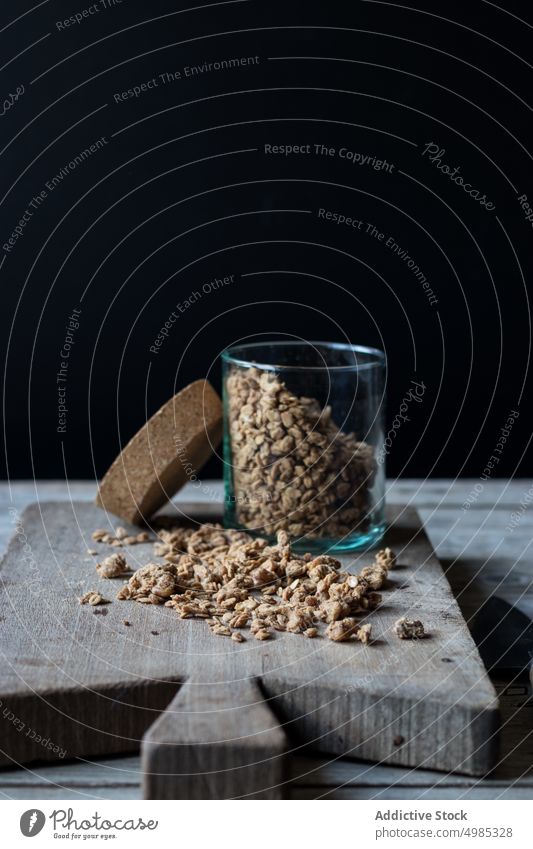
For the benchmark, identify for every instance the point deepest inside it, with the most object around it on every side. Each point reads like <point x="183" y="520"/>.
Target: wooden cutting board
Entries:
<point x="76" y="681"/>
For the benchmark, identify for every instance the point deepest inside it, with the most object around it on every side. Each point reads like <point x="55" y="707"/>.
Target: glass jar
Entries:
<point x="303" y="424"/>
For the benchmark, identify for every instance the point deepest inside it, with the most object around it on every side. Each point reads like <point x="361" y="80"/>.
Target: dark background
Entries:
<point x="182" y="193"/>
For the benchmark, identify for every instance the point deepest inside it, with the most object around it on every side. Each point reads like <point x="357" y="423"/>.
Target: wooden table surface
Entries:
<point x="482" y="556"/>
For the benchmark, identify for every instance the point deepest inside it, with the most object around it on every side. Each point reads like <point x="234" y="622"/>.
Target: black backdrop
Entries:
<point x="147" y="196"/>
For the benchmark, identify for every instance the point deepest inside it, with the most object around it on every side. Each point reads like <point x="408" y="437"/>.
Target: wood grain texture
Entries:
<point x="215" y="741"/>
<point x="349" y="699"/>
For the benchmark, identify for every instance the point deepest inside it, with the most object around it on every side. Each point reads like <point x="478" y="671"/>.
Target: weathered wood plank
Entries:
<point x="509" y="792"/>
<point x="333" y="695"/>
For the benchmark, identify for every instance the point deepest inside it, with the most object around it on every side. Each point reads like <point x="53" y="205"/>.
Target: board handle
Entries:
<point x="215" y="741"/>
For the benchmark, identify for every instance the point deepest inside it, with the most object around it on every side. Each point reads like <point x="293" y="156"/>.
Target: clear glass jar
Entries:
<point x="303" y="424"/>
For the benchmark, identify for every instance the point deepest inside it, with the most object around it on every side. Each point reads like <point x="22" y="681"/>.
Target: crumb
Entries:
<point x="398" y="740"/>
<point x="93" y="598"/>
<point x="363" y="633"/>
<point x="385" y="559"/>
<point x="409" y="629"/>
<point x="238" y="620"/>
<point x="151" y="584"/>
<point x="112" y="566"/>
<point x="126" y="622"/>
<point x="341" y="630"/>
<point x="375" y="576"/>
<point x="120" y="537"/>
<point x="155" y="633"/>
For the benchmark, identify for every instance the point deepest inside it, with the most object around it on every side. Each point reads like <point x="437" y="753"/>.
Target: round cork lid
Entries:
<point x="171" y="447"/>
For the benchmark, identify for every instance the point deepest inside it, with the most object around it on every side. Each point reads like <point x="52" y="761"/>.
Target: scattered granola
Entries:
<point x="120" y="537"/>
<point x="409" y="629"/>
<point x="220" y="576"/>
<point x="386" y="558"/>
<point x="221" y="630"/>
<point x="307" y="476"/>
<point x="113" y="566"/>
<point x="92" y="597"/>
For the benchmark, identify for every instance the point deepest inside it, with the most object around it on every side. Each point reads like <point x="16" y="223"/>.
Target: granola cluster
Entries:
<point x="236" y="582"/>
<point x="120" y="537"/>
<point x="93" y="598"/>
<point x="293" y="468"/>
<point x="113" y="566"/>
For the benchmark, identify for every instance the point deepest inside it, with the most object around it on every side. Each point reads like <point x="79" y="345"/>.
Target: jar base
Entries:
<point x="357" y="541"/>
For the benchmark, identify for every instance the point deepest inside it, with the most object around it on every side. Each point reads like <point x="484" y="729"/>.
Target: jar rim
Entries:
<point x="233" y="355"/>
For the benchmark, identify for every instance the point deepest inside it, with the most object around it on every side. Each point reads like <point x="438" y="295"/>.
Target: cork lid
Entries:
<point x="167" y="451"/>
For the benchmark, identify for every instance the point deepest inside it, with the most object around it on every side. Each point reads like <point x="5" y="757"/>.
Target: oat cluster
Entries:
<point x="293" y="468"/>
<point x="235" y="582"/>
<point x="409" y="629"/>
<point x="93" y="598"/>
<point x="113" y="566"/>
<point x="119" y="538"/>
